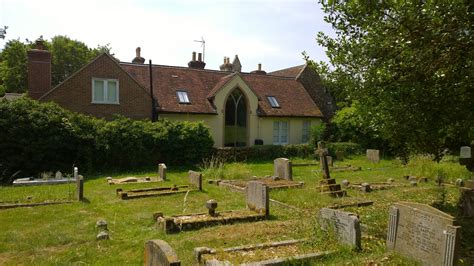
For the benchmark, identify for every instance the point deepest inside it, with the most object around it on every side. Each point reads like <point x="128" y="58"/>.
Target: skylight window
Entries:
<point x="273" y="101"/>
<point x="183" y="96"/>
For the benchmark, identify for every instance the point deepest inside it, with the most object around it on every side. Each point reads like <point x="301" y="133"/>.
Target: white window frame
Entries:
<point x="273" y="101"/>
<point x="280" y="131"/>
<point x="183" y="96"/>
<point x="106" y="84"/>
<point x="308" y="131"/>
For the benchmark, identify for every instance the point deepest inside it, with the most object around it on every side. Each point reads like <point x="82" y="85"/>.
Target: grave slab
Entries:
<point x="346" y="226"/>
<point x="423" y="233"/>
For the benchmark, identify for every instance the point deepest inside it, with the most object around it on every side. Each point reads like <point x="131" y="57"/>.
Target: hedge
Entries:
<point x="37" y="137"/>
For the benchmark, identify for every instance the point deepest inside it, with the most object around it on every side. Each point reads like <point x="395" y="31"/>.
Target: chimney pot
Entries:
<point x="194" y="56"/>
<point x="138" y="59"/>
<point x="259" y="67"/>
<point x="196" y="64"/>
<point x="137" y="52"/>
<point x="200" y="57"/>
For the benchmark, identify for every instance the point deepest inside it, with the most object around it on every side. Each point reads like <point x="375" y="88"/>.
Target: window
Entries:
<point x="306" y="131"/>
<point x="105" y="91"/>
<point x="280" y="132"/>
<point x="183" y="96"/>
<point x="273" y="101"/>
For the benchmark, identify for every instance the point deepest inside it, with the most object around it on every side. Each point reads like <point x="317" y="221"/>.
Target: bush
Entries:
<point x="348" y="148"/>
<point x="263" y="152"/>
<point x="37" y="137"/>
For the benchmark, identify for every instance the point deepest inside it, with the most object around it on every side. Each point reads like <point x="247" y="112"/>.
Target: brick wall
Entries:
<point x="75" y="93"/>
<point x="323" y="99"/>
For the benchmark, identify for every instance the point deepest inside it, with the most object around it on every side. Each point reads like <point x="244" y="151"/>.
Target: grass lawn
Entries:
<point x="63" y="234"/>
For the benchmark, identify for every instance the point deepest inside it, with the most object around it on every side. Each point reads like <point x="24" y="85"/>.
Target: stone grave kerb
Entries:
<point x="258" y="197"/>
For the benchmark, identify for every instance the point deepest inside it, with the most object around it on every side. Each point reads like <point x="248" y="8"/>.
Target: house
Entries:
<point x="241" y="109"/>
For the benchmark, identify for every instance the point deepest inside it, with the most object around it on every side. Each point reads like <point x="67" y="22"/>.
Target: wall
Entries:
<point x="295" y="128"/>
<point x="75" y="93"/>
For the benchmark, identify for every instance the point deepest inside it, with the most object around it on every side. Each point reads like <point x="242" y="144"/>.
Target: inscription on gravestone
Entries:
<point x="346" y="225"/>
<point x="423" y="233"/>
<point x="257" y="197"/>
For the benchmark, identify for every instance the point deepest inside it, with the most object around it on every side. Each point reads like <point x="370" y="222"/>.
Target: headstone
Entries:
<point x="345" y="183"/>
<point x="465" y="152"/>
<point x="459" y="182"/>
<point x="195" y="179"/>
<point x="103" y="235"/>
<point x="101" y="225"/>
<point x="340" y="155"/>
<point x="58" y="175"/>
<point x="423" y="233"/>
<point x="466" y="202"/>
<point x="283" y="168"/>
<point x="373" y="155"/>
<point x="257" y="197"/>
<point x="346" y="225"/>
<point x="162" y="171"/>
<point x="211" y="206"/>
<point x="323" y="153"/>
<point x="159" y="253"/>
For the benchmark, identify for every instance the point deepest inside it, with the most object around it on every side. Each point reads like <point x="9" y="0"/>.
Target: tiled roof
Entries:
<point x="291" y="72"/>
<point x="202" y="84"/>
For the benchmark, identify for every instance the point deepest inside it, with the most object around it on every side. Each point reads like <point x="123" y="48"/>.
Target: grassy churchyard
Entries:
<point x="60" y="234"/>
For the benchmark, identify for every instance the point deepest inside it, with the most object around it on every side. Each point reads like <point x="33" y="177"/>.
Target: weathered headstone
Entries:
<point x="346" y="225"/>
<point x="257" y="197"/>
<point x="373" y="155"/>
<point x="79" y="184"/>
<point x="340" y="155"/>
<point x="423" y="233"/>
<point x="465" y="152"/>
<point x="162" y="171"/>
<point x="160" y="253"/>
<point x="195" y="179"/>
<point x="58" y="175"/>
<point x="283" y="168"/>
<point x="330" y="161"/>
<point x="459" y="182"/>
<point x="466" y="202"/>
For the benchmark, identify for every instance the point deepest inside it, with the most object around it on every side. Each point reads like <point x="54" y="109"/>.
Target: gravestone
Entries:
<point x="160" y="253"/>
<point x="373" y="155"/>
<point x="195" y="179"/>
<point x="257" y="197"/>
<point x="330" y="160"/>
<point x="466" y="202"/>
<point x="58" y="175"/>
<point x="79" y="184"/>
<point x="340" y="155"/>
<point x="423" y="233"/>
<point x="465" y="152"/>
<point x="327" y="184"/>
<point x="162" y="171"/>
<point x="283" y="168"/>
<point x="346" y="226"/>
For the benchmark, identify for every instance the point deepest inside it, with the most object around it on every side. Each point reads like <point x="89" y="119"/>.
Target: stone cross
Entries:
<point x="322" y="152"/>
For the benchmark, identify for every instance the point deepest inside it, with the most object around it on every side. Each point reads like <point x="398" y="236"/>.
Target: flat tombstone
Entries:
<point x="257" y="197"/>
<point x="283" y="168"/>
<point x="465" y="152"/>
<point x="373" y="155"/>
<point x="423" y="233"/>
<point x="159" y="253"/>
<point x="162" y="171"/>
<point x="346" y="225"/>
<point x="195" y="179"/>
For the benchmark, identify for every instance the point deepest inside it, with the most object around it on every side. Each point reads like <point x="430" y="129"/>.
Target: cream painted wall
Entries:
<point x="257" y="127"/>
<point x="295" y="128"/>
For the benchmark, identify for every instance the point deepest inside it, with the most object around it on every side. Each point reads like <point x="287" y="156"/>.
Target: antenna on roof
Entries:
<point x="203" y="45"/>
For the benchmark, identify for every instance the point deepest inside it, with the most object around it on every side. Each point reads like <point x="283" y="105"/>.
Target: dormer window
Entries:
<point x="273" y="101"/>
<point x="183" y="96"/>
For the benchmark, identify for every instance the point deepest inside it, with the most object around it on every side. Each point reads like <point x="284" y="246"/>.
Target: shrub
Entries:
<point x="425" y="166"/>
<point x="37" y="137"/>
<point x="348" y="148"/>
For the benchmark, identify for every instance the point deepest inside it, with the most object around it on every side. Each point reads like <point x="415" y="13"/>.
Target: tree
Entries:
<point x="410" y="64"/>
<point x="68" y="56"/>
<point x="13" y="76"/>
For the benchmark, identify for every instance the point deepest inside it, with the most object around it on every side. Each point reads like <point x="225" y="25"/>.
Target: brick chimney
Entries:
<point x="259" y="71"/>
<point x="138" y="59"/>
<point x="196" y="63"/>
<point x="39" y="70"/>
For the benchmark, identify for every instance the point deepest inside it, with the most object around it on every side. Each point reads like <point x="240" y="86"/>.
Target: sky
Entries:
<point x="271" y="32"/>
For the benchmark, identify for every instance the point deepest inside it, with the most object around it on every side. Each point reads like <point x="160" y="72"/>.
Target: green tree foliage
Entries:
<point x="13" y="67"/>
<point x="37" y="137"/>
<point x="68" y="56"/>
<point x="410" y="64"/>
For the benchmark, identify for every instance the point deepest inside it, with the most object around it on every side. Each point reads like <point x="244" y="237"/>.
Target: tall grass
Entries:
<point x="424" y="165"/>
<point x="216" y="168"/>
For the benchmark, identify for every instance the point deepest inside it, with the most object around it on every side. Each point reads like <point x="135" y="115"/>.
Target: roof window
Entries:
<point x="273" y="101"/>
<point x="183" y="96"/>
